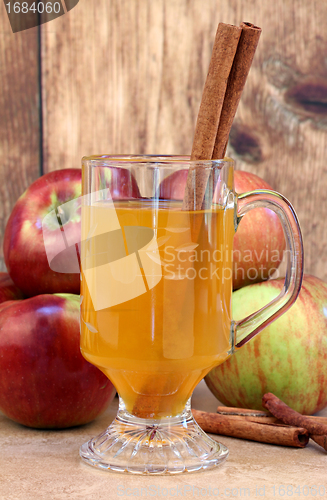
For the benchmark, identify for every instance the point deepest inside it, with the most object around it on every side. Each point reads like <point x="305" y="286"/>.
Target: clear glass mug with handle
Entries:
<point x="156" y="289"/>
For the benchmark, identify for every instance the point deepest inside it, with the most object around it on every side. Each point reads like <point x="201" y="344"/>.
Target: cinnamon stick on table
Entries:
<point x="291" y="417"/>
<point x="226" y="425"/>
<point x="262" y="417"/>
<point x="259" y="414"/>
<point x="317" y="430"/>
<point x="231" y="410"/>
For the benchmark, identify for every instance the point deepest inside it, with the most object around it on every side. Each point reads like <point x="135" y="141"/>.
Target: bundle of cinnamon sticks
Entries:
<point x="279" y="425"/>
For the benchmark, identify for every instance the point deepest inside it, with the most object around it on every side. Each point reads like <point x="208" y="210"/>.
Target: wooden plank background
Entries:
<point x="19" y="116"/>
<point x="126" y="76"/>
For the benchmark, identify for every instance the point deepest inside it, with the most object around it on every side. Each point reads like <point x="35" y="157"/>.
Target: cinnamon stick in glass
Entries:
<point x="222" y="58"/>
<point x="205" y="137"/>
<point x="226" y="425"/>
<point x="203" y="147"/>
<point x="241" y="66"/>
<point x="224" y="50"/>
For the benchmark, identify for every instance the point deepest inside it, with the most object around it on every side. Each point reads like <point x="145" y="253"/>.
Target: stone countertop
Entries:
<point x="39" y="465"/>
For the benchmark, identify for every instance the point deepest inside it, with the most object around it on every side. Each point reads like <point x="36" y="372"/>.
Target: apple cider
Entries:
<point x="155" y="298"/>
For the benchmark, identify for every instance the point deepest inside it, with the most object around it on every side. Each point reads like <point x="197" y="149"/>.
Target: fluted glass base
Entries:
<point x="146" y="446"/>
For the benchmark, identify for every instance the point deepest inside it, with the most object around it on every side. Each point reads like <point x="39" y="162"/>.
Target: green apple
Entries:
<point x="288" y="358"/>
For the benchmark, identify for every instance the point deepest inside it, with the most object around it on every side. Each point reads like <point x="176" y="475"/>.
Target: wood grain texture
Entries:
<point x="19" y="116"/>
<point x="289" y="137"/>
<point x="123" y="76"/>
<point x="126" y="76"/>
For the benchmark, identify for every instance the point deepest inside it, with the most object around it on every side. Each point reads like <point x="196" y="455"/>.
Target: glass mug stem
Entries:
<point x="168" y="445"/>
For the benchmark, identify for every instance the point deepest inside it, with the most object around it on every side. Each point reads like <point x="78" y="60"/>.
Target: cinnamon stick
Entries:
<point x="156" y="395"/>
<point x="264" y="433"/>
<point x="215" y="113"/>
<point x="316" y="418"/>
<point x="262" y="417"/>
<point x="222" y="57"/>
<point x="321" y="440"/>
<point x="284" y="413"/>
<point x="266" y="417"/>
<point x="223" y="53"/>
<point x="260" y="420"/>
<point x="241" y="66"/>
<point x="230" y="410"/>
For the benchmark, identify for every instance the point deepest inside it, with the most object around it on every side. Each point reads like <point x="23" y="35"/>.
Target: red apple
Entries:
<point x="24" y="250"/>
<point x="44" y="380"/>
<point x="8" y="290"/>
<point x="34" y="267"/>
<point x="288" y="358"/>
<point x="259" y="241"/>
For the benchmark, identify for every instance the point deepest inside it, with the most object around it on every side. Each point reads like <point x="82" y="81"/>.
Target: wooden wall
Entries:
<point x="126" y="76"/>
<point x="19" y="116"/>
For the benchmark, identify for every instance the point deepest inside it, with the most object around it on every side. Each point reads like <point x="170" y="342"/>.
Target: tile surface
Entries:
<point x="46" y="465"/>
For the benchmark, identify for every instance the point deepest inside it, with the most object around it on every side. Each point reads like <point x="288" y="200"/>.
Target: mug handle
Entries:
<point x="247" y="328"/>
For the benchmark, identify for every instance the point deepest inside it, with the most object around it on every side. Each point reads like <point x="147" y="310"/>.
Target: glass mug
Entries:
<point x="156" y="300"/>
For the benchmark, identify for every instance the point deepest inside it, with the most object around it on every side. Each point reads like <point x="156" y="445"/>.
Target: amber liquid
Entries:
<point x="165" y="322"/>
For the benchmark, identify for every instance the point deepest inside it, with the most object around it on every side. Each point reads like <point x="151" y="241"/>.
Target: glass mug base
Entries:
<point x="169" y="445"/>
